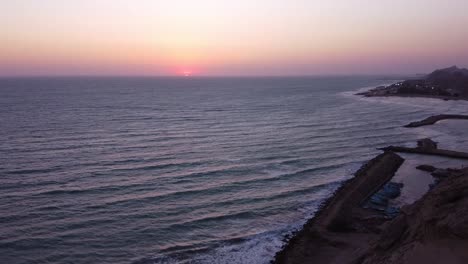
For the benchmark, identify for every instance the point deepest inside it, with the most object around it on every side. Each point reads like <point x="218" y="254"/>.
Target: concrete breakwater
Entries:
<point x="343" y="213"/>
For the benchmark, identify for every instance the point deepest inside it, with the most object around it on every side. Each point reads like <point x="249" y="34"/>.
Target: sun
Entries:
<point x="187" y="73"/>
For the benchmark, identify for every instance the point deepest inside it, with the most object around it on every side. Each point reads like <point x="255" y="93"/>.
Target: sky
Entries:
<point x="231" y="38"/>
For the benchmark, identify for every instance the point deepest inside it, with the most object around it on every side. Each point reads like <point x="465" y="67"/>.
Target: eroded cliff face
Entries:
<point x="432" y="230"/>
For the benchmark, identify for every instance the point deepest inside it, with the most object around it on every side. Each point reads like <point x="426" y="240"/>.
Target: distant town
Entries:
<point x="448" y="83"/>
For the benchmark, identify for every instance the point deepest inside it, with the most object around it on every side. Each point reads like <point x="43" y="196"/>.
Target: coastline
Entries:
<point x="446" y="84"/>
<point x="445" y="98"/>
<point x="341" y="213"/>
<point x="325" y="238"/>
<point x="434" y="119"/>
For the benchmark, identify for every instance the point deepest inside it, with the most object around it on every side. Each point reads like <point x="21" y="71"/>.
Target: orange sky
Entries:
<point x="208" y="37"/>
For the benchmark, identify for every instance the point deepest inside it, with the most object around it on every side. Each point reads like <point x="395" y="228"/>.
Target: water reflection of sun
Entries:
<point x="187" y="73"/>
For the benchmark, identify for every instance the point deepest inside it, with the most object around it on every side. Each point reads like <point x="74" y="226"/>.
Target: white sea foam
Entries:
<point x="353" y="93"/>
<point x="260" y="249"/>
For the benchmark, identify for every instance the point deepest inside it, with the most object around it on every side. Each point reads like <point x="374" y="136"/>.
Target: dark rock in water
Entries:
<point x="427" y="143"/>
<point x="434" y="119"/>
<point x="427" y="168"/>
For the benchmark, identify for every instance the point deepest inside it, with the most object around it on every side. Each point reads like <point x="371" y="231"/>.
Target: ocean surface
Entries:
<point x="183" y="170"/>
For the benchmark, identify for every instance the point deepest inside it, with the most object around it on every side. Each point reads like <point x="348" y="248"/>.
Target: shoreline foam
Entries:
<point x="339" y="214"/>
<point x="338" y="235"/>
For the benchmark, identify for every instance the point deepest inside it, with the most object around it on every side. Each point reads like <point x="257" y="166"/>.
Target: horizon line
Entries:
<point x="201" y="76"/>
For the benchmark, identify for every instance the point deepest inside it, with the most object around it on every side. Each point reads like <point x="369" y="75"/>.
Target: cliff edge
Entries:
<point x="432" y="230"/>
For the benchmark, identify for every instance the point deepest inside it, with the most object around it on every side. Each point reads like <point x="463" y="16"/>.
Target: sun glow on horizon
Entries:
<point x="216" y="37"/>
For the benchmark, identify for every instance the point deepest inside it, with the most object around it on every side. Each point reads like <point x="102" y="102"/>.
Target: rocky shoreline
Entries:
<point x="320" y="238"/>
<point x="434" y="119"/>
<point x="434" y="229"/>
<point x="446" y="84"/>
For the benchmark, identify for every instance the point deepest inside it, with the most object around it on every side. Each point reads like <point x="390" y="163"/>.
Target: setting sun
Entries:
<point x="220" y="131"/>
<point x="229" y="38"/>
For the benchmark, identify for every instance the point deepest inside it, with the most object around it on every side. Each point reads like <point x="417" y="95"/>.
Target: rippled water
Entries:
<point x="200" y="170"/>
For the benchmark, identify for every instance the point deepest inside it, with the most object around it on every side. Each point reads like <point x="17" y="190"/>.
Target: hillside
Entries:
<point x="448" y="83"/>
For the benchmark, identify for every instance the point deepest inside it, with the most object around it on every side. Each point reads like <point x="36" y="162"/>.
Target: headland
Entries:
<point x="446" y="84"/>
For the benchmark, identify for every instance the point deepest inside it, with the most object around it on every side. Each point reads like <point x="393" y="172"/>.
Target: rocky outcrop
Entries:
<point x="434" y="119"/>
<point x="449" y="83"/>
<point x="427" y="168"/>
<point x="432" y="230"/>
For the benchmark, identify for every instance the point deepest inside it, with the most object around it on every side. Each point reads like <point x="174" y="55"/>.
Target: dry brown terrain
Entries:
<point x="432" y="230"/>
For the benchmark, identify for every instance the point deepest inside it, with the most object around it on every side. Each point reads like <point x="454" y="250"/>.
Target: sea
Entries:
<point x="184" y="170"/>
